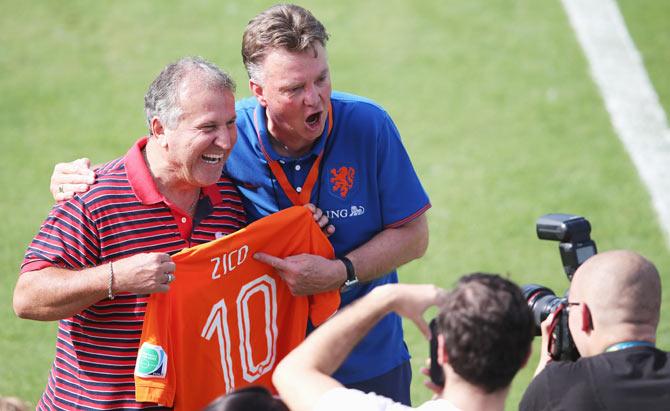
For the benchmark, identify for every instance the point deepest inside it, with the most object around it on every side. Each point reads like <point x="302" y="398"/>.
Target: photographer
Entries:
<point x="614" y="306"/>
<point x="484" y="335"/>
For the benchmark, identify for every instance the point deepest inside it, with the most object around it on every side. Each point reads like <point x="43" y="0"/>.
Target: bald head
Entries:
<point x="621" y="288"/>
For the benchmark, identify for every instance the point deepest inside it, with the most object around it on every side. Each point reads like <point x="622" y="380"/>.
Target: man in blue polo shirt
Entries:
<point x="299" y="142"/>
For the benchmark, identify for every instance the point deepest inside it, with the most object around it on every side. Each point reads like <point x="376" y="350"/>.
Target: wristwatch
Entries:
<point x="352" y="280"/>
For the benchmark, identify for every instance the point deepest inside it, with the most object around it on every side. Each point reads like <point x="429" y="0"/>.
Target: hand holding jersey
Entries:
<point x="306" y="273"/>
<point x="144" y="273"/>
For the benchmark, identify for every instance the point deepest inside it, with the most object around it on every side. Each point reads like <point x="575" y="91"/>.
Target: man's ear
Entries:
<point x="158" y="132"/>
<point x="442" y="356"/>
<point x="257" y="91"/>
<point x="587" y="321"/>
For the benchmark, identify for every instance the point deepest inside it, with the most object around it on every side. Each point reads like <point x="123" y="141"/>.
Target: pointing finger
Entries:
<point x="274" y="262"/>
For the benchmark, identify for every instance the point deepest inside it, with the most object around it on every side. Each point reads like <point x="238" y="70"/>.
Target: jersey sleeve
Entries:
<point x="402" y="196"/>
<point x="155" y="376"/>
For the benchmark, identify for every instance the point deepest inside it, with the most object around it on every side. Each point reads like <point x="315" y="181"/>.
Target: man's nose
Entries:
<point x="225" y="138"/>
<point x="312" y="95"/>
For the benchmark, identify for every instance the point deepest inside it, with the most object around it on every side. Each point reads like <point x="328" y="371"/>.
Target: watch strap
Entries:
<point x="351" y="272"/>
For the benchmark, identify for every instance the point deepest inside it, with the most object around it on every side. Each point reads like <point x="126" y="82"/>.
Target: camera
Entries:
<point x="575" y="246"/>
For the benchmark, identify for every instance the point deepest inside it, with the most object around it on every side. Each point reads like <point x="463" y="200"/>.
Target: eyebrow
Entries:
<point x="291" y="85"/>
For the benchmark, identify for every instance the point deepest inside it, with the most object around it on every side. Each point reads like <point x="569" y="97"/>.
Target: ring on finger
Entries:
<point x="170" y="278"/>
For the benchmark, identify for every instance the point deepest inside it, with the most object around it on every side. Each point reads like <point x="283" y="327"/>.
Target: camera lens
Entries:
<point x="542" y="301"/>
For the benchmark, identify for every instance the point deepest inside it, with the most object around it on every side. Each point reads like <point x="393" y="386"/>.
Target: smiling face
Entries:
<point x="198" y="146"/>
<point x="295" y="92"/>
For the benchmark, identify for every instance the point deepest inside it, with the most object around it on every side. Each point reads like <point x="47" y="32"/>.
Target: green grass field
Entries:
<point x="493" y="99"/>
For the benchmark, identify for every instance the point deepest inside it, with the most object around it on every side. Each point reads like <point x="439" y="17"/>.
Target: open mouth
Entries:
<point x="313" y="119"/>
<point x="212" y="158"/>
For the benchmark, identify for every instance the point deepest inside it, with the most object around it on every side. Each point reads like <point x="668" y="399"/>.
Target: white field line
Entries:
<point x="634" y="108"/>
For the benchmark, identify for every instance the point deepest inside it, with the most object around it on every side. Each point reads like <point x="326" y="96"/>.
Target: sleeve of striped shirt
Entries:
<point x="68" y="238"/>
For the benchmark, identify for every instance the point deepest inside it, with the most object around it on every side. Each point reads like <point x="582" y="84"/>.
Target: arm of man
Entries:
<point x="392" y="247"/>
<point x="55" y="293"/>
<point x="303" y="376"/>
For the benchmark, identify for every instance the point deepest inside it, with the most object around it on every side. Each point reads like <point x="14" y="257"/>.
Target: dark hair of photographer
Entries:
<point x="248" y="398"/>
<point x="489" y="353"/>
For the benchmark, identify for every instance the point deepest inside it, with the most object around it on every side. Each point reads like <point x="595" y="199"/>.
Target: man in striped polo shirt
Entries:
<point x="98" y="256"/>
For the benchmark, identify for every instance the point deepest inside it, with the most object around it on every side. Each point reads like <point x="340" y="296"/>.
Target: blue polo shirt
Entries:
<point x="366" y="184"/>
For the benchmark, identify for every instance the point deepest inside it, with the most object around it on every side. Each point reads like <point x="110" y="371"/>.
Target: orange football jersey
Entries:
<point x="229" y="319"/>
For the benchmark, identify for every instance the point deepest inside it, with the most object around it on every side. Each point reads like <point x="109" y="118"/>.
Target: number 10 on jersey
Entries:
<point x="218" y="322"/>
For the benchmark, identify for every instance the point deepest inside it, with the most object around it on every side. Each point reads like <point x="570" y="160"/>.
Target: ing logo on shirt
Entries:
<point x="354" y="211"/>
<point x="342" y="181"/>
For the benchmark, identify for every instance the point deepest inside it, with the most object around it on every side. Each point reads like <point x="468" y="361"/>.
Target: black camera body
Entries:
<point x="575" y="246"/>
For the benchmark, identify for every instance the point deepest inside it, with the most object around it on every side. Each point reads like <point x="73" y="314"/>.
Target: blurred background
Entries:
<point x="493" y="98"/>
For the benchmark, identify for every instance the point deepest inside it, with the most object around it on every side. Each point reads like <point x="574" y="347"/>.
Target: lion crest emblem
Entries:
<point x="342" y="180"/>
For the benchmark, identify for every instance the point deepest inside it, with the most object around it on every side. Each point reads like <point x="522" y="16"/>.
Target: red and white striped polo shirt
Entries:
<point x="122" y="214"/>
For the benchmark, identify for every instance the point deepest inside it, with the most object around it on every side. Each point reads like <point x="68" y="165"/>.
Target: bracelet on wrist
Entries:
<point x="110" y="287"/>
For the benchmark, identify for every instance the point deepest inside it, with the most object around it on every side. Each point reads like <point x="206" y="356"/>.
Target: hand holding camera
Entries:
<point x="547" y="326"/>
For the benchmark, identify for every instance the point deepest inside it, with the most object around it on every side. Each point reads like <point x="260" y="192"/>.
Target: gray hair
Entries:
<point x="284" y="26"/>
<point x="162" y="97"/>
